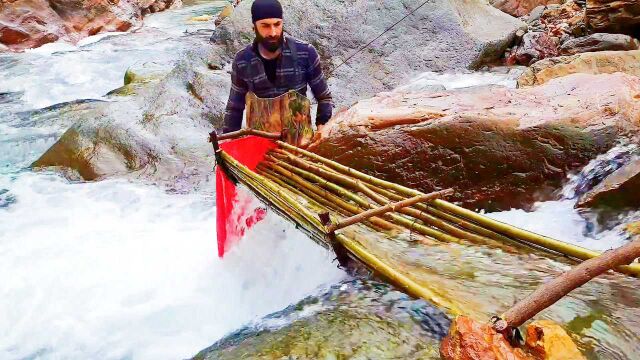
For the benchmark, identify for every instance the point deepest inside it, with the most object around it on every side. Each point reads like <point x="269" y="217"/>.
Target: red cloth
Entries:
<point x="230" y="224"/>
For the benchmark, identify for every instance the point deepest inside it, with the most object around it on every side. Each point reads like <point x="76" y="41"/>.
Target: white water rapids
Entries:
<point x="120" y="270"/>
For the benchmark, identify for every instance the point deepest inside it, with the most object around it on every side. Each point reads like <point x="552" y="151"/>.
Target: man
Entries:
<point x="273" y="65"/>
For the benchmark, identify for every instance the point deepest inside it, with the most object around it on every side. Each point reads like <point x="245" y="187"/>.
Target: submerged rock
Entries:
<point x="606" y="62"/>
<point x="619" y="190"/>
<point x="616" y="16"/>
<point x="355" y="319"/>
<point x="441" y="35"/>
<point x="28" y="24"/>
<point x="497" y="147"/>
<point x="599" y="42"/>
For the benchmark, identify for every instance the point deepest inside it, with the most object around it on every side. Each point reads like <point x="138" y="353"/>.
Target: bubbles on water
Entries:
<point x="6" y="199"/>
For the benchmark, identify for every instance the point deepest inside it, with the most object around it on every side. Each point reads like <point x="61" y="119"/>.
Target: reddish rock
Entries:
<point x="28" y="24"/>
<point x="519" y="8"/>
<point x="471" y="340"/>
<point x="617" y="16"/>
<point x="619" y="190"/>
<point x="497" y="147"/>
<point x="536" y="46"/>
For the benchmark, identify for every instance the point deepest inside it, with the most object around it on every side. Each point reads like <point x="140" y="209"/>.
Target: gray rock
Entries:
<point x="599" y="42"/>
<point x="442" y="35"/>
<point x="535" y="14"/>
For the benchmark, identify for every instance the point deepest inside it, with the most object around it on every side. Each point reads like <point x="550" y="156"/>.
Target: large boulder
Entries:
<point x="519" y="8"/>
<point x="28" y="24"/>
<point x="617" y="16"/>
<point x="618" y="190"/>
<point x="606" y="62"/>
<point x="441" y="35"/>
<point x="157" y="132"/>
<point x="497" y="147"/>
<point x="599" y="42"/>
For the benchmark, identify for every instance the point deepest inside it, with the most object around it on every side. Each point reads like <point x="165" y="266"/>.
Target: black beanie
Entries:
<point x="265" y="9"/>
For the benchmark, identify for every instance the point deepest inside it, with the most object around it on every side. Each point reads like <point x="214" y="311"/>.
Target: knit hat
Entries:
<point x="265" y="9"/>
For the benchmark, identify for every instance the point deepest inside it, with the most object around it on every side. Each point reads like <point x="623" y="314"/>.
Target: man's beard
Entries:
<point x="269" y="43"/>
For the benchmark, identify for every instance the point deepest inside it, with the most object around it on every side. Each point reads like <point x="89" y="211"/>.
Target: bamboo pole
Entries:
<point x="377" y="193"/>
<point x="368" y="258"/>
<point x="249" y="131"/>
<point x="554" y="290"/>
<point x="331" y="197"/>
<point x="393" y="207"/>
<point x="541" y="241"/>
<point x="359" y="200"/>
<point x="406" y="283"/>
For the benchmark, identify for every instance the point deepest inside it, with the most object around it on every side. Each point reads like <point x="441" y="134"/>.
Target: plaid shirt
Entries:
<point x="248" y="75"/>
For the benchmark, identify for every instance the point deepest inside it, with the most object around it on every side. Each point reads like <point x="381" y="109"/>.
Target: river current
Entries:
<point x="122" y="270"/>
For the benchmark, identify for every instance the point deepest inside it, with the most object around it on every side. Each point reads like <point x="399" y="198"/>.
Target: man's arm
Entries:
<point x="236" y="102"/>
<point x="319" y="87"/>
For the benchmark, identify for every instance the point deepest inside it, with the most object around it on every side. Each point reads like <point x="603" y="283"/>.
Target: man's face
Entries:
<point x="269" y="33"/>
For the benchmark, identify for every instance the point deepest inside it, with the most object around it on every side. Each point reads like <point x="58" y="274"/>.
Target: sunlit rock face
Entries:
<point x="28" y="24"/>
<point x="614" y="16"/>
<point x="604" y="62"/>
<point x="497" y="147"/>
<point x="442" y="35"/>
<point x="520" y="7"/>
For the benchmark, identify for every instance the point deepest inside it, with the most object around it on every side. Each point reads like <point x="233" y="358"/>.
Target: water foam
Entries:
<point x="115" y="270"/>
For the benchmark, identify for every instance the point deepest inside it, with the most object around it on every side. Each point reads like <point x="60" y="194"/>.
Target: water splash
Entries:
<point x="116" y="270"/>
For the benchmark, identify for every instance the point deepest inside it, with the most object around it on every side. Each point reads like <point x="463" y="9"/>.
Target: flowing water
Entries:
<point x="122" y="270"/>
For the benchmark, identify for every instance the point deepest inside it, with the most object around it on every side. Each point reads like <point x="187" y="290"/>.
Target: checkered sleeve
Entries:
<point x="319" y="87"/>
<point x="236" y="102"/>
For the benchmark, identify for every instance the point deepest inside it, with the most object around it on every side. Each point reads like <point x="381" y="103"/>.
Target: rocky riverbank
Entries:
<point x="26" y="24"/>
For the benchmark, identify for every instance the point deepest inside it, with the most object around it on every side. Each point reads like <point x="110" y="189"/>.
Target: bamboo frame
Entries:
<point x="540" y="241"/>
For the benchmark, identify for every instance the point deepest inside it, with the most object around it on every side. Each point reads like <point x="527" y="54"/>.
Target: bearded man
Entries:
<point x="273" y="66"/>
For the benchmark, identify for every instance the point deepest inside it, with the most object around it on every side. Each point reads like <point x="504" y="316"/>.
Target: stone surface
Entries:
<point x="606" y="62"/>
<point x="617" y="16"/>
<point x="442" y="35"/>
<point x="28" y="24"/>
<point x="471" y="340"/>
<point x="536" y="46"/>
<point x="599" y="42"/>
<point x="497" y="147"/>
<point x="158" y="132"/>
<point x="354" y="320"/>
<point x="618" y="190"/>
<point x="519" y="8"/>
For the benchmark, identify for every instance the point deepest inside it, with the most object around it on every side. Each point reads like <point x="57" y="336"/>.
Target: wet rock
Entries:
<point x="599" y="42"/>
<point x="357" y="319"/>
<point x="606" y="62"/>
<point x="471" y="340"/>
<point x="442" y="35"/>
<point x="497" y="147"/>
<point x="618" y="190"/>
<point x="157" y="133"/>
<point x="519" y="8"/>
<point x="536" y="46"/>
<point x="31" y="23"/>
<point x="615" y="16"/>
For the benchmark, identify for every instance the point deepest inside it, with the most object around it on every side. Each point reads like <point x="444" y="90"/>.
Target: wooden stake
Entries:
<point x="549" y="293"/>
<point x="387" y="208"/>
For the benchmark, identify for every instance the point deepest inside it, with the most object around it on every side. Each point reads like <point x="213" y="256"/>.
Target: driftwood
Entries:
<point x="387" y="208"/>
<point x="549" y="293"/>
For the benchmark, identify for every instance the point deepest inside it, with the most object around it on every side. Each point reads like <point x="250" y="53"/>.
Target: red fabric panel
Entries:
<point x="249" y="151"/>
